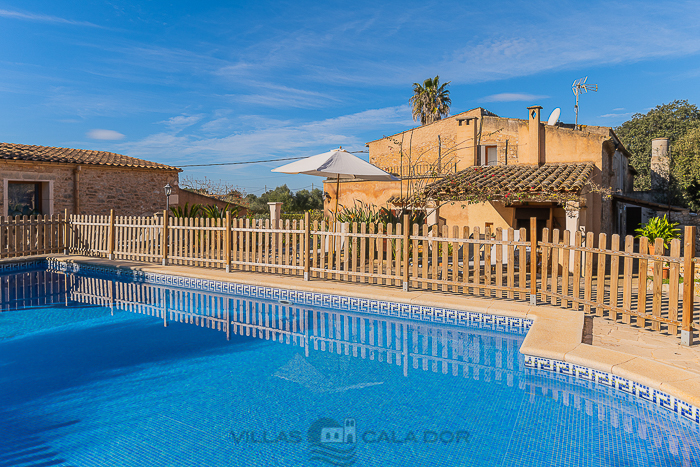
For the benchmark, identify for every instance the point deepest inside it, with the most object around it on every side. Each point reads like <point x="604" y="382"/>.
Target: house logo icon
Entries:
<point x="333" y="443"/>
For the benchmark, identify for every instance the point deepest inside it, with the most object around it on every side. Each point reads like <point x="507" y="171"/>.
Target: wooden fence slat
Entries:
<point x="642" y="286"/>
<point x="487" y="262"/>
<point x="389" y="251"/>
<point x="322" y="240"/>
<point x="346" y="251"/>
<point x="434" y="256"/>
<point x="554" y="284"/>
<point x="588" y="273"/>
<point x="658" y="280"/>
<point x="522" y="266"/>
<point x="510" y="281"/>
<point x="673" y="282"/>
<point x="615" y="275"/>
<point x="576" y="275"/>
<point x="566" y="258"/>
<point x="544" y="274"/>
<point x="288" y="247"/>
<point x="415" y="255"/>
<point x="477" y="262"/>
<point x="355" y="254"/>
<point x="627" y="281"/>
<point x="444" y="259"/>
<point x="465" y="261"/>
<point x="455" y="258"/>
<point x="600" y="276"/>
<point x="499" y="262"/>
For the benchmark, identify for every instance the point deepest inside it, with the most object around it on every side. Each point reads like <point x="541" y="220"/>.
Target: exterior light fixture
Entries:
<point x="168" y="191"/>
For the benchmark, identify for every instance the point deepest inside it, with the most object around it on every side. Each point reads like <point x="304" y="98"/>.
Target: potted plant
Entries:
<point x="659" y="227"/>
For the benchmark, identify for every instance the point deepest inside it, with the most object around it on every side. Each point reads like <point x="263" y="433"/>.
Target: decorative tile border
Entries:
<point x="339" y="302"/>
<point x="659" y="398"/>
<point x="21" y="265"/>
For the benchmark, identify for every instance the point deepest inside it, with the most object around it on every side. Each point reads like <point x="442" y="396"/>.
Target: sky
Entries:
<point x="183" y="82"/>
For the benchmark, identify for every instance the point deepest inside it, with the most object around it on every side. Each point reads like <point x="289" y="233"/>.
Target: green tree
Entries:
<point x="672" y="121"/>
<point x="305" y="200"/>
<point x="685" y="170"/>
<point x="302" y="200"/>
<point x="431" y="100"/>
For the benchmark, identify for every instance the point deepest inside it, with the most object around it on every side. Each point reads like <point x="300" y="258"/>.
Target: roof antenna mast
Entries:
<point x="580" y="87"/>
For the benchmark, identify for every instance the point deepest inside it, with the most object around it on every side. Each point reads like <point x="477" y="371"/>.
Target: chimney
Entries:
<point x="472" y="122"/>
<point x="659" y="164"/>
<point x="535" y="140"/>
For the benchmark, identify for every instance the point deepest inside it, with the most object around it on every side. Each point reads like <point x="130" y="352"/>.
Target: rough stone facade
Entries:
<point x="130" y="191"/>
<point x="685" y="218"/>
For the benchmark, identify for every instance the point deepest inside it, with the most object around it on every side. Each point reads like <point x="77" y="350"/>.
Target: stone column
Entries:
<point x="659" y="163"/>
<point x="573" y="222"/>
<point x="275" y="212"/>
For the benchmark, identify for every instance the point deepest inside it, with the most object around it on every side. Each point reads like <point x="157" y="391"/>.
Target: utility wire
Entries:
<point x="257" y="162"/>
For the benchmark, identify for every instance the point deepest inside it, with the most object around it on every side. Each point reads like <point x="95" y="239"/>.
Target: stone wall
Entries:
<point x="129" y="191"/>
<point x="190" y="198"/>
<point x="685" y="218"/>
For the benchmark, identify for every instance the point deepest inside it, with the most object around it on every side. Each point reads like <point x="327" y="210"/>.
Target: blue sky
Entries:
<point x="183" y="82"/>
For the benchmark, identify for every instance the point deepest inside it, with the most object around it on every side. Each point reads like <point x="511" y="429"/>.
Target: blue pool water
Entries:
<point x="96" y="372"/>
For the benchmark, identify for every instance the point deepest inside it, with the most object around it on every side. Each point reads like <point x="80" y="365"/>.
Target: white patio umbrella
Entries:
<point x="336" y="163"/>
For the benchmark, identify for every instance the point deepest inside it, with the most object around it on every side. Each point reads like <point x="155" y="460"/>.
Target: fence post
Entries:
<point x="65" y="232"/>
<point x="688" y="284"/>
<point x="533" y="261"/>
<point x="227" y="242"/>
<point x="110" y="236"/>
<point x="307" y="242"/>
<point x="164" y="240"/>
<point x="405" y="251"/>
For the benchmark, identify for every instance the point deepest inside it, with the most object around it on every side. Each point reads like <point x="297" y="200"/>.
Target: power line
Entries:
<point x="257" y="162"/>
<point x="247" y="162"/>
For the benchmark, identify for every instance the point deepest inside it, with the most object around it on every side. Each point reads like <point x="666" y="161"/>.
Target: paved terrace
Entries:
<point x="650" y="358"/>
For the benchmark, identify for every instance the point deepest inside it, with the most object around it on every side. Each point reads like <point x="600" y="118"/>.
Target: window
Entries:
<point x="488" y="155"/>
<point x="23" y="199"/>
<point x="27" y="198"/>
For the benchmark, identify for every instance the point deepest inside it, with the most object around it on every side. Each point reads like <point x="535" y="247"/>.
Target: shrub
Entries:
<point x="659" y="227"/>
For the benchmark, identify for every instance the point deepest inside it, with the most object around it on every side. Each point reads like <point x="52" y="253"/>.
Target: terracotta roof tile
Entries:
<point x="500" y="180"/>
<point x="25" y="152"/>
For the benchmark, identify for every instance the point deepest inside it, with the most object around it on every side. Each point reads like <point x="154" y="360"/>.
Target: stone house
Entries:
<point x="48" y="180"/>
<point x="523" y="152"/>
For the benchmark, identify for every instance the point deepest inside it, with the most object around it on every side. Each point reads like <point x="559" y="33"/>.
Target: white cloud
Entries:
<point x="108" y="135"/>
<point x="284" y="96"/>
<point x="512" y="97"/>
<point x="615" y="115"/>
<point x="269" y="138"/>
<point x="571" y="40"/>
<point x="182" y="121"/>
<point x="44" y="18"/>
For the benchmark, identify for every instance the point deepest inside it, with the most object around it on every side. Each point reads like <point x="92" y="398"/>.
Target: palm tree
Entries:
<point x="431" y="101"/>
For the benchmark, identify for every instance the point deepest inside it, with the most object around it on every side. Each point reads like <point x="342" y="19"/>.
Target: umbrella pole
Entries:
<point x="337" y="195"/>
<point x="336" y="246"/>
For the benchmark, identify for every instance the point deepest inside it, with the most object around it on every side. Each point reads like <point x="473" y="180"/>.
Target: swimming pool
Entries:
<point x="100" y="370"/>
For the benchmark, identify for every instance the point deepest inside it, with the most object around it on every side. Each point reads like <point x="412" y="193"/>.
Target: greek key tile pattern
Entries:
<point x="627" y="386"/>
<point x="15" y="266"/>
<point x="339" y="302"/>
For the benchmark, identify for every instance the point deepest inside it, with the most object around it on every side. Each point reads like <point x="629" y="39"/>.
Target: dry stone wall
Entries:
<point x="129" y="191"/>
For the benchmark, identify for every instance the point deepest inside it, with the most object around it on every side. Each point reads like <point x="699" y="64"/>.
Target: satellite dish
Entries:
<point x="554" y="117"/>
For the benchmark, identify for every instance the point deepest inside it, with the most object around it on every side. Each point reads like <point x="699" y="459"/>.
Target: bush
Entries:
<point x="659" y="227"/>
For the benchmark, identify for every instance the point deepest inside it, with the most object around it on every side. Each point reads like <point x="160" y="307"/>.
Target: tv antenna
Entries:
<point x="580" y="87"/>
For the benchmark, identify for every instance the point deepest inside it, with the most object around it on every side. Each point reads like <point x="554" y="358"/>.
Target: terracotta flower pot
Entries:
<point x="651" y="250"/>
<point x="665" y="272"/>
